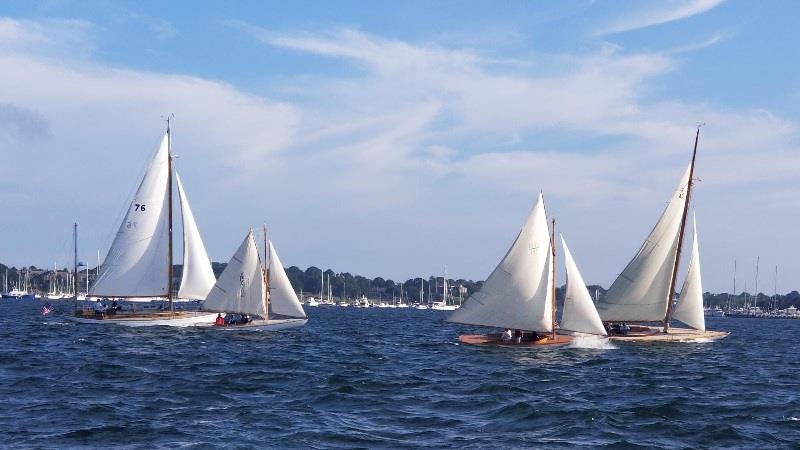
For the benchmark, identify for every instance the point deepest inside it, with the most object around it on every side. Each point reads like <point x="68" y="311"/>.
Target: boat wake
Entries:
<point x="591" y="342"/>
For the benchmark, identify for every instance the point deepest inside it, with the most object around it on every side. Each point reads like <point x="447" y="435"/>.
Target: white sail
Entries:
<point x="690" y="304"/>
<point x="240" y="287"/>
<point x="579" y="312"/>
<point x="198" y="276"/>
<point x="518" y="293"/>
<point x="282" y="298"/>
<point x="137" y="262"/>
<point x="640" y="292"/>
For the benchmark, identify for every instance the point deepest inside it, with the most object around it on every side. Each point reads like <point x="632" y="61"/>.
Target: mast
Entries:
<point x="265" y="272"/>
<point x="169" y="216"/>
<point x="75" y="260"/>
<point x="671" y="295"/>
<point x="755" y="302"/>
<point x="553" y="252"/>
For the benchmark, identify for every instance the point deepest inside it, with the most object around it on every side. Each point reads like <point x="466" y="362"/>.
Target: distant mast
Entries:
<point x="75" y="261"/>
<point x="681" y="234"/>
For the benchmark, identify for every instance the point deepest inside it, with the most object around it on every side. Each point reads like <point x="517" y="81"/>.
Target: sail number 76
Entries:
<point x="139" y="207"/>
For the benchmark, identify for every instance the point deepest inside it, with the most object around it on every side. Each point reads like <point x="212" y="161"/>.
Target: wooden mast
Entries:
<point x="553" y="253"/>
<point x="265" y="271"/>
<point x="668" y="315"/>
<point x="169" y="215"/>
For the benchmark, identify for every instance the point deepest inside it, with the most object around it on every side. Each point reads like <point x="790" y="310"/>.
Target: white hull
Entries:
<point x="262" y="325"/>
<point x="444" y="307"/>
<point x="192" y="319"/>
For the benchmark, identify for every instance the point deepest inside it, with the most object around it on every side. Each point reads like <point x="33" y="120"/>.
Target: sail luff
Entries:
<point x="198" y="275"/>
<point x="671" y="294"/>
<point x="689" y="309"/>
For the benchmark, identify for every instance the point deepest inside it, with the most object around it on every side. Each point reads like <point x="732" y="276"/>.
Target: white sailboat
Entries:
<point x="246" y="288"/>
<point x="643" y="292"/>
<point x="443" y="305"/>
<point x="520" y="293"/>
<point x="139" y="263"/>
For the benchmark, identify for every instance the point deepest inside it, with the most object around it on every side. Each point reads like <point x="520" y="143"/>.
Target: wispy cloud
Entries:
<point x="664" y="12"/>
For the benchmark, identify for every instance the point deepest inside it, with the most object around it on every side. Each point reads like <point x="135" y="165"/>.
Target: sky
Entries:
<point x="396" y="138"/>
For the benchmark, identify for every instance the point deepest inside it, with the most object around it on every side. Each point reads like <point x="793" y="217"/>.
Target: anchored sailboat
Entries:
<point x="520" y="293"/>
<point x="139" y="263"/>
<point x="645" y="289"/>
<point x="247" y="288"/>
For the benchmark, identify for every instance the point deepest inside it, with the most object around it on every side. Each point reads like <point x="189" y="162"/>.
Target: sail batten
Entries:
<point x="579" y="313"/>
<point x="240" y="287"/>
<point x="690" y="303"/>
<point x="198" y="276"/>
<point x="640" y="292"/>
<point x="518" y="293"/>
<point x="135" y="263"/>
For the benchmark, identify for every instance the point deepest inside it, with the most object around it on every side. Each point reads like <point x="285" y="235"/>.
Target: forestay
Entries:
<point x="198" y="276"/>
<point x="640" y="292"/>
<point x="518" y="293"/>
<point x="690" y="303"/>
<point x="282" y="298"/>
<point x="579" y="312"/>
<point x="240" y="287"/>
<point x="137" y="262"/>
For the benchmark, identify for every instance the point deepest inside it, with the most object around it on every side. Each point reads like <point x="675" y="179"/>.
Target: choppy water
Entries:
<point x="387" y="378"/>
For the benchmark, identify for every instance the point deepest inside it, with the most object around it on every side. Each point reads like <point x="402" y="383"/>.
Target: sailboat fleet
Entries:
<point x="518" y="297"/>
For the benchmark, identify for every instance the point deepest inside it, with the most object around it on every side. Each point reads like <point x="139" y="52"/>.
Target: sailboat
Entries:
<point x="520" y="293"/>
<point x="643" y="293"/>
<point x="139" y="263"/>
<point x="247" y="288"/>
<point x="443" y="305"/>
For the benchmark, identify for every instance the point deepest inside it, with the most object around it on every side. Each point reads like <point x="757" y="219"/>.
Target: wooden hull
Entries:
<point x="176" y="319"/>
<point x="262" y="325"/>
<point x="675" y="335"/>
<point x="494" y="340"/>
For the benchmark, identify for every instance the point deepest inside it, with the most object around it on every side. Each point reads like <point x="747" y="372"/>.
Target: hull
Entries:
<point x="674" y="335"/>
<point x="178" y="319"/>
<point x="262" y="325"/>
<point x="19" y="296"/>
<point x="494" y="340"/>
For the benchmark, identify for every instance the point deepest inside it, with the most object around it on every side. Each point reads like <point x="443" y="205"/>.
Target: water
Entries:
<point x="385" y="378"/>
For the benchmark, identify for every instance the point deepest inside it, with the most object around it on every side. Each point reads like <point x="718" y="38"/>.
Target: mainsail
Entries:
<point x="136" y="264"/>
<point x="518" y="293"/>
<point x="690" y="303"/>
<point x="579" y="312"/>
<point x="198" y="276"/>
<point x="640" y="292"/>
<point x="282" y="298"/>
<point x="240" y="287"/>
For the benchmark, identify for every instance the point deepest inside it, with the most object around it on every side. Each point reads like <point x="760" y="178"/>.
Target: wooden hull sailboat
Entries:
<point x="254" y="297"/>
<point x="520" y="294"/>
<point x="643" y="293"/>
<point x="139" y="263"/>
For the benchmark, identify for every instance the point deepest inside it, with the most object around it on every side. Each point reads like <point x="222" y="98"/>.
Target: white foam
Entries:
<point x="591" y="341"/>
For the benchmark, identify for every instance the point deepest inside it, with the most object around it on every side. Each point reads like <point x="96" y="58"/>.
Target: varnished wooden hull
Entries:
<point x="494" y="340"/>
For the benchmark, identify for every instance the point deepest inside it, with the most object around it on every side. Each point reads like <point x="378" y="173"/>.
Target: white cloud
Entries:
<point x="663" y="13"/>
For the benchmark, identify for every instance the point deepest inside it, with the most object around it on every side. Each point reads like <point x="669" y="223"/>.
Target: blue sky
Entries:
<point x="394" y="138"/>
